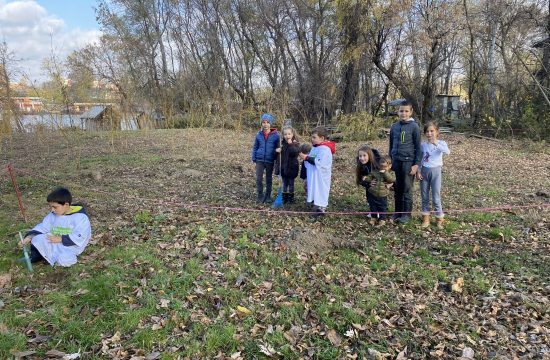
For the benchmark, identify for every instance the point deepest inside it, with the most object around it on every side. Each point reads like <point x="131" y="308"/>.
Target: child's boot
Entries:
<point x="291" y="198"/>
<point x="425" y="221"/>
<point x="285" y="198"/>
<point x="372" y="221"/>
<point x="381" y="222"/>
<point x="439" y="222"/>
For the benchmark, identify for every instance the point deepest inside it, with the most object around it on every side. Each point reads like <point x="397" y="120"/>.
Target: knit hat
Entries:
<point x="268" y="117"/>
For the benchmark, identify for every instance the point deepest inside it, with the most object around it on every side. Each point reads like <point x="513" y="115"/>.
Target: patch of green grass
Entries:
<point x="219" y="337"/>
<point x="500" y="233"/>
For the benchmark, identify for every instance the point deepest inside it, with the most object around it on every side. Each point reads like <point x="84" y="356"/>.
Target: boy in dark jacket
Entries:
<point x="263" y="155"/>
<point x="406" y="155"/>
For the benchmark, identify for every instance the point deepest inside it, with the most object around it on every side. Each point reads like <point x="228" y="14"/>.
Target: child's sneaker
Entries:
<point x="372" y="221"/>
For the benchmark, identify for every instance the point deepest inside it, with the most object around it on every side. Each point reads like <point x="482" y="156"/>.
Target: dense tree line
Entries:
<point x="306" y="59"/>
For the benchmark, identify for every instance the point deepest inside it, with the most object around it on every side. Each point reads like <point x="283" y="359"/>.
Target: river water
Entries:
<point x="57" y="121"/>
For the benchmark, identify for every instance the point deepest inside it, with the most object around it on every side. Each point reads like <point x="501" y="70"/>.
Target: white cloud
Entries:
<point x="33" y="35"/>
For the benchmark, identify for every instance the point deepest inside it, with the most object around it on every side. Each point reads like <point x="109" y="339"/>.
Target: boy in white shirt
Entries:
<point x="63" y="234"/>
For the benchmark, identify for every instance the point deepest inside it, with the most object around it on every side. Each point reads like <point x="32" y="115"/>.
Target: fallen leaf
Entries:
<point x="5" y="280"/>
<point x="457" y="285"/>
<point x="267" y="350"/>
<point x="72" y="356"/>
<point x="22" y="354"/>
<point x="402" y="355"/>
<point x="468" y="353"/>
<point x="242" y="311"/>
<point x="476" y="250"/>
<point x="55" y="354"/>
<point x="38" y="339"/>
<point x="373" y="354"/>
<point x="334" y="338"/>
<point x="153" y="356"/>
<point x="164" y="303"/>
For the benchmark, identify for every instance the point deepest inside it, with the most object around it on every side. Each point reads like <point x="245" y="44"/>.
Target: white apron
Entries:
<point x="318" y="175"/>
<point x="75" y="225"/>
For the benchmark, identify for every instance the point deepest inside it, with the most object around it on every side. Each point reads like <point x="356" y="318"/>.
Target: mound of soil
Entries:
<point x="310" y="239"/>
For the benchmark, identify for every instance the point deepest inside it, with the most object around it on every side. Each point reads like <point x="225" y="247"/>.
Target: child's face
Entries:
<point x="385" y="165"/>
<point x="287" y="135"/>
<point x="363" y="157"/>
<point x="266" y="125"/>
<point x="316" y="139"/>
<point x="431" y="133"/>
<point x="405" y="112"/>
<point x="59" y="209"/>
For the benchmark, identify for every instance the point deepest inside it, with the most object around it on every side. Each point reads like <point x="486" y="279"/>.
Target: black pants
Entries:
<point x="377" y="205"/>
<point x="288" y="184"/>
<point x="403" y="187"/>
<point x="35" y="255"/>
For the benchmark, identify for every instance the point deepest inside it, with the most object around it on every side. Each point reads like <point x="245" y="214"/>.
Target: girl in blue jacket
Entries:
<point x="263" y="155"/>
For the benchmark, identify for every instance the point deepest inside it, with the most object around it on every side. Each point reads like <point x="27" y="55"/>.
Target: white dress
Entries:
<point x="75" y="230"/>
<point x="318" y="175"/>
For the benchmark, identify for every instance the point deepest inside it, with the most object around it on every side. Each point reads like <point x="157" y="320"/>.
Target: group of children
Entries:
<point x="65" y="231"/>
<point x="409" y="159"/>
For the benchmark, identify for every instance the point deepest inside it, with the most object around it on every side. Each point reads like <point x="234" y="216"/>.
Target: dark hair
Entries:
<point x="60" y="195"/>
<point x="431" y="123"/>
<point x="321" y="132"/>
<point x="407" y="103"/>
<point x="305" y="148"/>
<point x="372" y="162"/>
<point x="384" y="159"/>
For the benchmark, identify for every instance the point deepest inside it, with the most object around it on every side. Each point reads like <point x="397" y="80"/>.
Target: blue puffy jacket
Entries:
<point x="264" y="149"/>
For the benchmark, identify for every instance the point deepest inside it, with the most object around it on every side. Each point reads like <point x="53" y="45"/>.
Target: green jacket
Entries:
<point x="382" y="178"/>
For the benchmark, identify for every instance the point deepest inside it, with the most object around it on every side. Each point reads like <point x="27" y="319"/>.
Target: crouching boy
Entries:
<point x="63" y="233"/>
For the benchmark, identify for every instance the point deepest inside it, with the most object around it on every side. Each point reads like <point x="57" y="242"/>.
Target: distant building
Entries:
<point x="447" y="106"/>
<point x="29" y="105"/>
<point x="101" y="118"/>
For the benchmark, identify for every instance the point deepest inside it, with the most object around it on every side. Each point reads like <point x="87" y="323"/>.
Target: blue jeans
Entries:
<point x="431" y="179"/>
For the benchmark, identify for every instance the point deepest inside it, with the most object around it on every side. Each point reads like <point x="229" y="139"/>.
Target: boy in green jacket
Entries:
<point x="377" y="194"/>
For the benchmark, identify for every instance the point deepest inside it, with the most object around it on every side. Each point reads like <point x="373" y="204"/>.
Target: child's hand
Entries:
<point x="419" y="176"/>
<point x="278" y="150"/>
<point x="414" y="169"/>
<point x="54" y="239"/>
<point x="26" y="240"/>
<point x="302" y="156"/>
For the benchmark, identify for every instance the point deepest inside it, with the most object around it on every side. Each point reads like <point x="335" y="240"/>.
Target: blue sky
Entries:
<point x="37" y="29"/>
<point x="75" y="13"/>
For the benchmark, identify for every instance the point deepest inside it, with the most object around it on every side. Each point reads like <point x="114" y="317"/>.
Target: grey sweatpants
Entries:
<point x="431" y="179"/>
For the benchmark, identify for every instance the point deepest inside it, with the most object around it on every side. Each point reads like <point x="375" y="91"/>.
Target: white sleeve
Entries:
<point x="82" y="230"/>
<point x="443" y="147"/>
<point x="323" y="160"/>
<point x="46" y="224"/>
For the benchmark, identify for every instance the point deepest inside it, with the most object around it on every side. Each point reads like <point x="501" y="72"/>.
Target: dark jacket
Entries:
<point x="289" y="160"/>
<point x="366" y="169"/>
<point x="405" y="142"/>
<point x="263" y="149"/>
